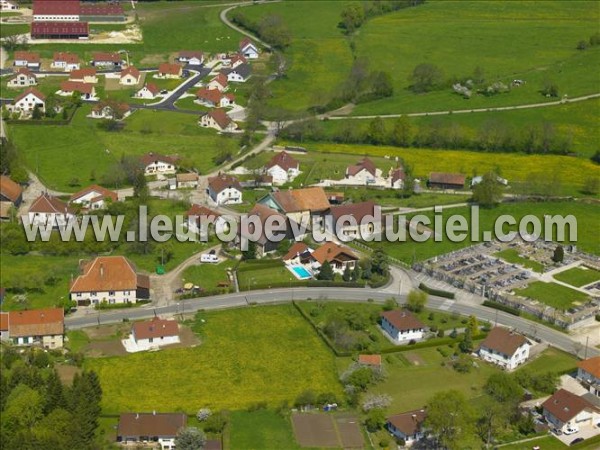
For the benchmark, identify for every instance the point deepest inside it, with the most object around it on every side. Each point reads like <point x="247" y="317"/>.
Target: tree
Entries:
<point x="473" y="325"/>
<point x="492" y="418"/>
<point x="36" y="114"/>
<point x="203" y="414"/>
<point x="190" y="438"/>
<point x="489" y="191"/>
<point x="449" y="417"/>
<point x="353" y="16"/>
<point x="361" y="378"/>
<point x="54" y="430"/>
<point x="24" y="407"/>
<point x="381" y="84"/>
<point x="215" y="423"/>
<point x="306" y="398"/>
<point x="425" y="77"/>
<point x="375" y="420"/>
<point x="376" y="132"/>
<point x="466" y="344"/>
<point x="380" y="263"/>
<point x="559" y="254"/>
<point x="591" y="186"/>
<point x="356" y="273"/>
<point x="250" y="252"/>
<point x="376" y="401"/>
<point x="416" y="300"/>
<point x="504" y="388"/>
<point x="55" y="397"/>
<point x="275" y="31"/>
<point x="326" y="272"/>
<point x="347" y="275"/>
<point x="390" y="304"/>
<point x="549" y="89"/>
<point x="402" y="133"/>
<point x="140" y="187"/>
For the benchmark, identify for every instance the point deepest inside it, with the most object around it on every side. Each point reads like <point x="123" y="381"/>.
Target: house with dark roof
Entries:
<point x="22" y="78"/>
<point x="27" y="59"/>
<point x="354" y="220"/>
<point x="248" y="49"/>
<point x="566" y="410"/>
<point x="56" y="11"/>
<point x="299" y="253"/>
<point x="300" y="205"/>
<point x="443" y="180"/>
<point x="201" y="220"/>
<point x="149" y="91"/>
<point x="504" y="348"/>
<point x="219" y="120"/>
<point x="407" y="426"/>
<point x="397" y="177"/>
<point x="225" y="190"/>
<point x="402" y="326"/>
<point x="42" y="327"/>
<point x="238" y="74"/>
<point x="110" y="279"/>
<point x="65" y="61"/>
<point x="168" y="70"/>
<point x="364" y="172"/>
<point x="274" y="228"/>
<point x="10" y="191"/>
<point x="283" y="168"/>
<point x="49" y="211"/>
<point x="193" y="58"/>
<point x="27" y="101"/>
<point x="150" y="429"/>
<point x="588" y="374"/>
<point x="152" y="334"/>
<point x="155" y="164"/>
<point x="94" y="197"/>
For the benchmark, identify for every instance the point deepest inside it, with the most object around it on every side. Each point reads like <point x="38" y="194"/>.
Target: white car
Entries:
<point x="571" y="430"/>
<point x="209" y="258"/>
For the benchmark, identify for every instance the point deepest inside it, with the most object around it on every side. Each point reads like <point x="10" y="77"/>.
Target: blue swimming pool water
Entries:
<point x="301" y="272"/>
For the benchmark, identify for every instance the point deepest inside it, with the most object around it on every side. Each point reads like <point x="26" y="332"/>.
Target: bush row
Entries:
<point x="501" y="307"/>
<point x="436" y="292"/>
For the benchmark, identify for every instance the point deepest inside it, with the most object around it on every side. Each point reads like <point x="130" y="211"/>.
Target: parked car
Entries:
<point x="571" y="430"/>
<point x="164" y="92"/>
<point x="577" y="441"/>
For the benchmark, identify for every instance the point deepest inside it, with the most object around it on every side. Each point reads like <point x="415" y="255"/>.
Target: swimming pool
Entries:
<point x="300" y="272"/>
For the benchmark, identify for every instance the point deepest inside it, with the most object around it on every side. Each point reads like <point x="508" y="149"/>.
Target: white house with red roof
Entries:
<point x="65" y="61"/>
<point x="201" y="219"/>
<point x="363" y="173"/>
<point x="155" y="164"/>
<point x="225" y="190"/>
<point x="565" y="410"/>
<point x="22" y="78"/>
<point x="588" y="374"/>
<point x="397" y="177"/>
<point x="28" y="100"/>
<point x="402" y="326"/>
<point x="168" y="70"/>
<point x="94" y="197"/>
<point x="150" y="91"/>
<point x="505" y="348"/>
<point x="248" y="49"/>
<point x="283" y="168"/>
<point x="27" y="59"/>
<point x="86" y="90"/>
<point x="194" y="58"/>
<point x="50" y="211"/>
<point x="219" y="120"/>
<point x="85" y="75"/>
<point x="236" y="60"/>
<point x="43" y="327"/>
<point x="8" y="5"/>
<point x="130" y="76"/>
<point x="219" y="82"/>
<point x="151" y="335"/>
<point x="214" y="98"/>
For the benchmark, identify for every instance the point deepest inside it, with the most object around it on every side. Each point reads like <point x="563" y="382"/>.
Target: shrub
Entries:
<point x="436" y="292"/>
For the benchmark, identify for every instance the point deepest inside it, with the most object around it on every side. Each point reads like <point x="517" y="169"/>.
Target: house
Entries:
<point x="110" y="279"/>
<point x="187" y="180"/>
<point x="10" y="191"/>
<point x="27" y="59"/>
<point x="566" y="410"/>
<point x="55" y="11"/>
<point x="60" y="30"/>
<point x="370" y="360"/>
<point x="402" y="326"/>
<point x="110" y="110"/>
<point x="218" y="82"/>
<point x="85" y="75"/>
<point x="588" y="374"/>
<point x="43" y="327"/>
<point x="300" y="205"/>
<point x="299" y="253"/>
<point x="236" y="60"/>
<point x="219" y="120"/>
<point x="94" y="197"/>
<point x="168" y="70"/>
<point x="354" y="220"/>
<point x="364" y="172"/>
<point x="214" y="98"/>
<point x="283" y="168"/>
<point x="407" y="426"/>
<point x="23" y="78"/>
<point x="8" y="5"/>
<point x="152" y="334"/>
<point x="504" y="348"/>
<point x="248" y="49"/>
<point x="155" y="164"/>
<point x="274" y="229"/>
<point x="130" y="76"/>
<point x="335" y="198"/>
<point x="339" y="256"/>
<point x="200" y="219"/>
<point x="47" y="210"/>
<point x="65" y="61"/>
<point x="107" y="60"/>
<point x="442" y="180"/>
<point x="397" y="177"/>
<point x="86" y="90"/>
<point x="192" y="58"/>
<point x="4" y="327"/>
<point x="225" y="190"/>
<point x="238" y="74"/>
<point x="149" y="91"/>
<point x="150" y="428"/>
<point x="30" y="99"/>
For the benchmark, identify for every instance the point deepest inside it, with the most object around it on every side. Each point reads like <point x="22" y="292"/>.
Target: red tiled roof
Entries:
<point x="130" y="71"/>
<point x="366" y="164"/>
<point x="56" y="7"/>
<point x="155" y="328"/>
<point x="503" y="341"/>
<point x="153" y="88"/>
<point x="33" y="91"/>
<point x="10" y="189"/>
<point x="296" y="249"/>
<point x="69" y="58"/>
<point x="106" y="273"/>
<point x="31" y="57"/>
<point x="169" y="69"/>
<point x="101" y="9"/>
<point x="106" y="57"/>
<point x="199" y="211"/>
<point x="48" y="204"/>
<point x="356" y="210"/>
<point x="150" y="424"/>
<point x="102" y="192"/>
<point x="24" y="71"/>
<point x="150" y="158"/>
<point x="79" y="74"/>
<point x="311" y="199"/>
<point x="447" y="178"/>
<point x="591" y="366"/>
<point x="245" y="42"/>
<point x="398" y="174"/>
<point x="220" y="78"/>
<point x="72" y="86"/>
<point x="189" y="54"/>
<point x="409" y="422"/>
<point x="221" y="182"/>
<point x="211" y="95"/>
<point x="370" y="360"/>
<point x="331" y="251"/>
<point x="3" y="321"/>
<point x="283" y="160"/>
<point x="565" y="405"/>
<point x="36" y="322"/>
<point x="59" y="28"/>
<point x="221" y="117"/>
<point x="402" y="320"/>
<point x="237" y="57"/>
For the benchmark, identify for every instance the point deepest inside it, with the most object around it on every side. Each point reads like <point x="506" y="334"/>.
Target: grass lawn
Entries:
<point x="189" y="104"/>
<point x="390" y="198"/>
<point x="12" y="29"/>
<point x="77" y="340"/>
<point x="578" y="276"/>
<point x="262" y="429"/>
<point x="207" y="276"/>
<point x="255" y="275"/>
<point x="551" y="360"/>
<point x="85" y="149"/>
<point x="238" y="364"/>
<point x="545" y="442"/>
<point x="511" y="255"/>
<point x="553" y="294"/>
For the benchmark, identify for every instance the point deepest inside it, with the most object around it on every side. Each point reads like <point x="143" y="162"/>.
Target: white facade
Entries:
<point x="133" y="345"/>
<point x="56" y="18"/>
<point x="250" y="51"/>
<point x="590" y="380"/>
<point x="54" y="220"/>
<point x="51" y="341"/>
<point x="228" y="196"/>
<point x="160" y="167"/>
<point x="209" y="122"/>
<point x="110" y="297"/>
<point x="585" y="418"/>
<point x="509" y="362"/>
<point x="29" y="102"/>
<point x="145" y="93"/>
<point x="129" y="80"/>
<point x="88" y="200"/>
<point x="214" y="84"/>
<point x="66" y="66"/>
<point x="22" y="80"/>
<point x="5" y="5"/>
<point x="280" y="175"/>
<point x="364" y="177"/>
<point x="236" y="77"/>
<point x="409" y="440"/>
<point x="402" y="336"/>
<point x="221" y="226"/>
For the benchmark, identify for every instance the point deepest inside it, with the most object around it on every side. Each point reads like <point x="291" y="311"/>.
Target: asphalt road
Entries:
<point x="265" y="297"/>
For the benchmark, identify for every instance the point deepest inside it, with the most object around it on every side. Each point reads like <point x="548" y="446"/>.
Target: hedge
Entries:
<point x="436" y="292"/>
<point x="434" y="342"/>
<point x="246" y="266"/>
<point x="302" y="283"/>
<point x="501" y="307"/>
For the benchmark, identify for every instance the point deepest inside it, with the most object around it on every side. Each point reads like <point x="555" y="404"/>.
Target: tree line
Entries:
<point x="271" y="28"/>
<point x="355" y="14"/>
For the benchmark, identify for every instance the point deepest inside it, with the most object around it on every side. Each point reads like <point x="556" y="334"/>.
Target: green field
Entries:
<point x="85" y="148"/>
<point x="553" y="294"/>
<point x="551" y="360"/>
<point x="263" y="429"/>
<point x="260" y="274"/>
<point x="239" y="363"/>
<point x="511" y="255"/>
<point x="207" y="276"/>
<point x="12" y="29"/>
<point x="578" y="276"/>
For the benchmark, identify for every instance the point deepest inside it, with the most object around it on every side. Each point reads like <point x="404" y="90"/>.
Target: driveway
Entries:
<point x="584" y="432"/>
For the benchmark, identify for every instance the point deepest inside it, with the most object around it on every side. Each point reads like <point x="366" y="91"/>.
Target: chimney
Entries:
<point x="137" y="416"/>
<point x="102" y="270"/>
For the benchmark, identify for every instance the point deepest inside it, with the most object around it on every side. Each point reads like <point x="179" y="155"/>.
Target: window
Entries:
<point x="79" y="294"/>
<point x="93" y="294"/>
<point x="111" y="293"/>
